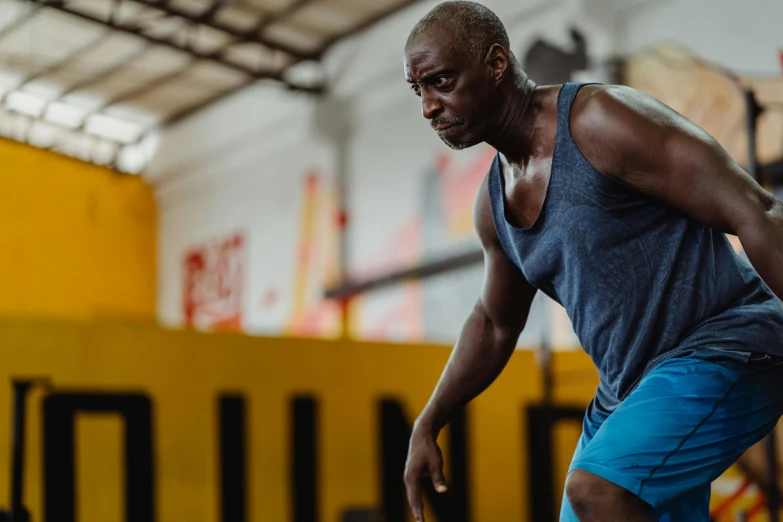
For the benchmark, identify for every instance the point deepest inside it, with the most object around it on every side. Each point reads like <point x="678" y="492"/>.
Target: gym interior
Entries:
<point x="235" y="258"/>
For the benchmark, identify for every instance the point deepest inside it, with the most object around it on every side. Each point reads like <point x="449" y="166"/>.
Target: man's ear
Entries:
<point x="497" y="60"/>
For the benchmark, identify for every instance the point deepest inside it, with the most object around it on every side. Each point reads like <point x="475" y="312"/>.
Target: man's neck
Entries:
<point x="514" y="136"/>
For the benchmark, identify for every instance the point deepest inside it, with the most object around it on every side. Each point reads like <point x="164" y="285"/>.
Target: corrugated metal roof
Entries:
<point x="95" y="78"/>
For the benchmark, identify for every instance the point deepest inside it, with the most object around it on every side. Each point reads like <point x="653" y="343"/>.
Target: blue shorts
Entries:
<point x="687" y="421"/>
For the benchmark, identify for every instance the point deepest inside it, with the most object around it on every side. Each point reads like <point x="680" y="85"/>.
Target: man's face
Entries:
<point x="456" y="91"/>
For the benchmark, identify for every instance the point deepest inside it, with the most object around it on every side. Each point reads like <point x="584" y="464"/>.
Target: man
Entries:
<point x="616" y="207"/>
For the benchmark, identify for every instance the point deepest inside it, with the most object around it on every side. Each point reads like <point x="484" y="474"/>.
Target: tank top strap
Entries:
<point x="495" y="186"/>
<point x="565" y="101"/>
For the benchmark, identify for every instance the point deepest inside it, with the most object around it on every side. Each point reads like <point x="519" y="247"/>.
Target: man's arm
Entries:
<point x="651" y="148"/>
<point x="485" y="345"/>
<point x="489" y="335"/>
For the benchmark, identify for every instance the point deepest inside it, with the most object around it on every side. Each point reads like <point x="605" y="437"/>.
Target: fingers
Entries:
<point x="413" y="477"/>
<point x="413" y="489"/>
<point x="424" y="459"/>
<point x="436" y="474"/>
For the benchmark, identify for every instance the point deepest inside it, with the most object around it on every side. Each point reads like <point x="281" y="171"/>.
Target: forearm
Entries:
<point x="479" y="356"/>
<point x="763" y="244"/>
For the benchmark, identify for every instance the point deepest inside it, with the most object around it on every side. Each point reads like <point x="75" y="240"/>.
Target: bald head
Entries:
<point x="469" y="25"/>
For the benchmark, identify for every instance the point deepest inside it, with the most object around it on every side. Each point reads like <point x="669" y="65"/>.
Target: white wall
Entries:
<point x="242" y="164"/>
<point x="240" y="167"/>
<point x="746" y="37"/>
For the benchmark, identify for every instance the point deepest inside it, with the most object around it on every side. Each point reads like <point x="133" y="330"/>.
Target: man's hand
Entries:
<point x="425" y="459"/>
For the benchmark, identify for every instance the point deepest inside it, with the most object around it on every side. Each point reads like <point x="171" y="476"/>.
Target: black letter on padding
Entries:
<point x="233" y="455"/>
<point x="541" y="421"/>
<point x="59" y="411"/>
<point x="304" y="486"/>
<point x="395" y="432"/>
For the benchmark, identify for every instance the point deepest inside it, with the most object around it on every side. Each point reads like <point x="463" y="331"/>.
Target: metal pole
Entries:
<point x="546" y="358"/>
<point x="753" y="110"/>
<point x="18" y="511"/>
<point x="773" y="492"/>
<point x="343" y="221"/>
<point x="547" y="372"/>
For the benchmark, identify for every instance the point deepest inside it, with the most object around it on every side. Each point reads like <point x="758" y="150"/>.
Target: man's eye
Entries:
<point x="415" y="87"/>
<point x="441" y="81"/>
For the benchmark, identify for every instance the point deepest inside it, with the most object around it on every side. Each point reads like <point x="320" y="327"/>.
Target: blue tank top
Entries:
<point x="640" y="280"/>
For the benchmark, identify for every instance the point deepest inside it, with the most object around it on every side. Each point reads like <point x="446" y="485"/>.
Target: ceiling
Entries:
<point x="94" y="79"/>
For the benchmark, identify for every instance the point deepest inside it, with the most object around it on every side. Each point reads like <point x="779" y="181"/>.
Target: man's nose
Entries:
<point x="430" y="105"/>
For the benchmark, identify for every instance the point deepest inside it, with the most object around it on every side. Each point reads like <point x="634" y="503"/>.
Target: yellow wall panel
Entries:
<point x="78" y="240"/>
<point x="185" y="373"/>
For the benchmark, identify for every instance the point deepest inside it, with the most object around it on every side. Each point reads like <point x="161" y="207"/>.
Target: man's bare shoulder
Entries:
<point x="609" y="123"/>
<point x="609" y="107"/>
<point x="601" y="97"/>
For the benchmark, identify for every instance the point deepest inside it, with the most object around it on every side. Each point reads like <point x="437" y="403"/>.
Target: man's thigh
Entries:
<point x="685" y="424"/>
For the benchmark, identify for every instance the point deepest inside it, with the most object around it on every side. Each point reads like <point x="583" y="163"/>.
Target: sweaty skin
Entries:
<point x="625" y="135"/>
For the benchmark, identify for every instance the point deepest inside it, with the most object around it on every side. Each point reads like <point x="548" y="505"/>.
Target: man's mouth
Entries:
<point x="443" y="125"/>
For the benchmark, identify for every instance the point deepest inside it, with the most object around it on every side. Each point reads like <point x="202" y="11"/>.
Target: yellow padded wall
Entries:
<point x="77" y="241"/>
<point x="183" y="374"/>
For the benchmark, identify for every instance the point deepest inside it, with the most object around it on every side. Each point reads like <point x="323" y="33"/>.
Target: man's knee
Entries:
<point x="591" y="494"/>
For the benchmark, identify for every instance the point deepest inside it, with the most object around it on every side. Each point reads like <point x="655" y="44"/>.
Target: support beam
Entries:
<point x="367" y="23"/>
<point x="73" y="55"/>
<point x="175" y="118"/>
<point x="350" y="289"/>
<point x="241" y="36"/>
<point x="252" y="36"/>
<point x="276" y="75"/>
<point x="55" y="66"/>
<point x="282" y="14"/>
<point x="184" y="113"/>
<point x="138" y="91"/>
<point x="86" y="82"/>
<point x="207" y="16"/>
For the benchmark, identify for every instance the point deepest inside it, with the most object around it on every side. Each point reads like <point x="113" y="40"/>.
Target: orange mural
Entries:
<point x="214" y="277"/>
<point x="316" y="263"/>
